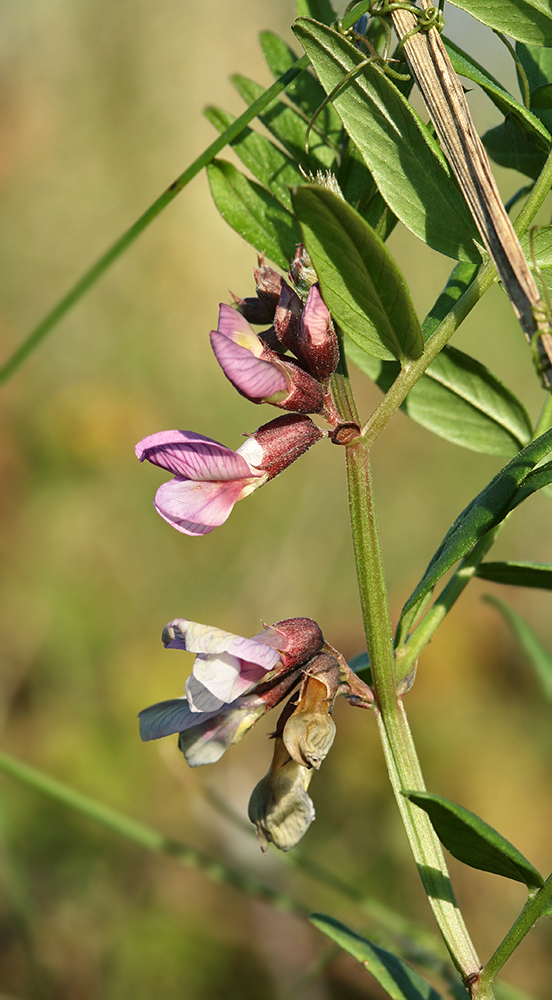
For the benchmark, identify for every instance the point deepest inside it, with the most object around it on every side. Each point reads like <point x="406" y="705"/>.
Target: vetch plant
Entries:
<point x="328" y="292"/>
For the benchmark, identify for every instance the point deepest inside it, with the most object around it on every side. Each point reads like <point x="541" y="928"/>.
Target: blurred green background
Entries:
<point x="100" y="109"/>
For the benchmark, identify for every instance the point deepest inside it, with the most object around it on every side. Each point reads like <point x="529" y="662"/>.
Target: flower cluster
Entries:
<point x="234" y="682"/>
<point x="289" y="365"/>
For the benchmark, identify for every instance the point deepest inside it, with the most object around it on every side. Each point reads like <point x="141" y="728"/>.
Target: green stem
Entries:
<point x="145" y="836"/>
<point x="533" y="909"/>
<point x="407" y="653"/>
<point x="413" y="370"/>
<point x="400" y="753"/>
<point x="538" y="194"/>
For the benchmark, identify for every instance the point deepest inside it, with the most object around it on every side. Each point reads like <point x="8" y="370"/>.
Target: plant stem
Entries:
<point x="145" y="836"/>
<point x="530" y="913"/>
<point x="538" y="193"/>
<point x="400" y="754"/>
<point x="413" y="370"/>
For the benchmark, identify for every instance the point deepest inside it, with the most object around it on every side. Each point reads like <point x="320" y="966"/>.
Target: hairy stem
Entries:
<point x="400" y="753"/>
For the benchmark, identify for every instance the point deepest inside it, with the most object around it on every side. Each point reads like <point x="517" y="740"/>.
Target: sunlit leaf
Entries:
<point x="517" y="574"/>
<point x="458" y="399"/>
<point x="398" y="979"/>
<point x="537" y="244"/>
<point x="305" y="91"/>
<point x="525" y="20"/>
<point x="474" y="842"/>
<point x="513" y="483"/>
<point x="253" y="213"/>
<point x="289" y="128"/>
<point x="404" y="158"/>
<point x="539" y="657"/>
<point x="362" y="286"/>
<point x="273" y="168"/>
<point x="320" y="10"/>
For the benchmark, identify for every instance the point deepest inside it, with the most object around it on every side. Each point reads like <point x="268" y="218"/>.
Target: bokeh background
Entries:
<point x="100" y="109"/>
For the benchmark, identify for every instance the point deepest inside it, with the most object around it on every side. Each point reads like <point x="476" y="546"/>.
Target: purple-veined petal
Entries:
<point x="206" y="742"/>
<point x="315" y="317"/>
<point x="166" y="718"/>
<point x="253" y="377"/>
<point x="225" y="676"/>
<point x="234" y="327"/>
<point x="196" y="508"/>
<point x="207" y="639"/>
<point x="193" y="456"/>
<point x="201" y="700"/>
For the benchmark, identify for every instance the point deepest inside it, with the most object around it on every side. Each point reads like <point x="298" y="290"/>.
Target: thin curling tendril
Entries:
<point x="431" y="17"/>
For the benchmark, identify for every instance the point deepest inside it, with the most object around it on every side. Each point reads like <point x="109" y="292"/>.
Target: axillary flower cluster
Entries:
<point x="235" y="681"/>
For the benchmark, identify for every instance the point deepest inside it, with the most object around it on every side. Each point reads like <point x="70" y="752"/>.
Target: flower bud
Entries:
<point x="258" y="373"/>
<point x="302" y="272"/>
<point x="287" y="318"/>
<point x="279" y="806"/>
<point x="318" y="345"/>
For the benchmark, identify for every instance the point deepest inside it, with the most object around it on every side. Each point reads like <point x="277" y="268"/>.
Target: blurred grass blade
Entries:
<point x="368" y="297"/>
<point x="474" y="842"/>
<point x="486" y="510"/>
<point x="83" y="285"/>
<point x="539" y="657"/>
<point x="144" y="835"/>
<point x="399" y="980"/>
<point x="458" y="399"/>
<point x="465" y="66"/>
<point x="525" y="20"/>
<point x="289" y="128"/>
<point x="404" y="158"/>
<point x="273" y="168"/>
<point x="254" y="213"/>
<point x="517" y="574"/>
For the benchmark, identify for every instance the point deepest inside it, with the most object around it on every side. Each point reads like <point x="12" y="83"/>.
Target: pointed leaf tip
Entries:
<point x="474" y="842"/>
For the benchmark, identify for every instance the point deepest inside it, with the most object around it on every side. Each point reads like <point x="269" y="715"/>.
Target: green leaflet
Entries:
<point x="274" y="169"/>
<point x="537" y="63"/>
<point x="458" y="399"/>
<point x="525" y="20"/>
<point x="466" y="66"/>
<point x="512" y="485"/>
<point x="305" y="91"/>
<point x="474" y="842"/>
<point x="403" y="157"/>
<point x="538" y="244"/>
<point x="254" y="213"/>
<point x="289" y="128"/>
<point x="397" y="978"/>
<point x="517" y="574"/>
<point x="539" y="657"/>
<point x="510" y="148"/>
<point x="368" y="297"/>
<point x="321" y="10"/>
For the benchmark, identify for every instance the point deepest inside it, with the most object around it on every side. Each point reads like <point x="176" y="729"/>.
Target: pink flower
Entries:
<point x="317" y="341"/>
<point x="210" y="478"/>
<point x="234" y="681"/>
<point x="258" y="373"/>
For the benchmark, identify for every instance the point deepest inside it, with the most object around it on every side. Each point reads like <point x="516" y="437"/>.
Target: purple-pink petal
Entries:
<point x="194" y="456"/>
<point x="232" y="324"/>
<point x="255" y="378"/>
<point x="315" y="316"/>
<point x="195" y="508"/>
